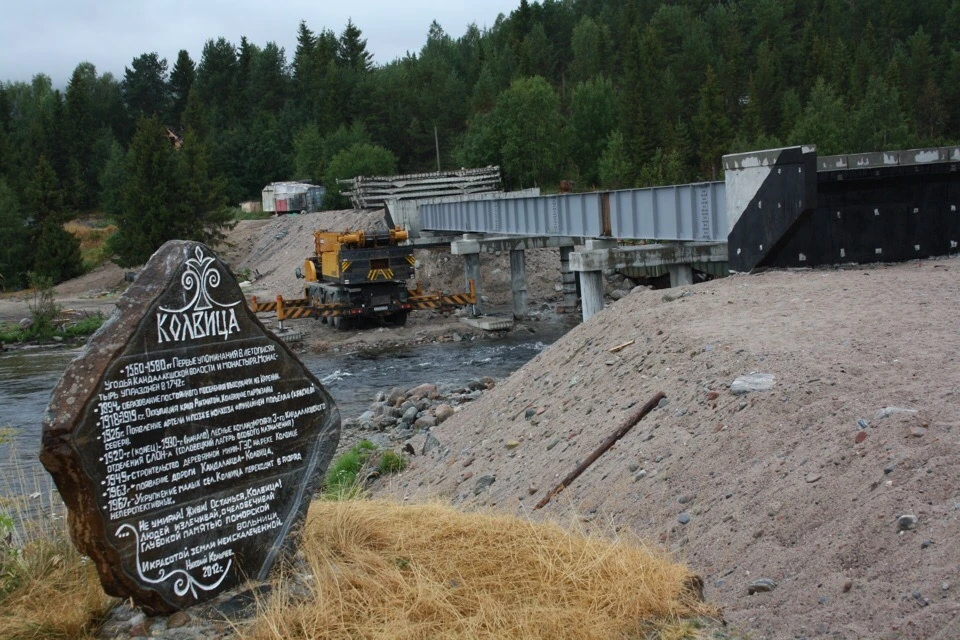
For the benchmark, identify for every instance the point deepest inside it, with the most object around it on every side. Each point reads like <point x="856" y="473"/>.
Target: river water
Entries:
<point x="353" y="379"/>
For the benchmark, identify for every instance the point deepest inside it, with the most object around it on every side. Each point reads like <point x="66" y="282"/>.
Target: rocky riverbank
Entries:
<point x="397" y="417"/>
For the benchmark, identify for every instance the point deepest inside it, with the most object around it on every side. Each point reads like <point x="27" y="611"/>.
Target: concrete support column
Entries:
<point x="681" y="275"/>
<point x="471" y="271"/>
<point x="590" y="263"/>
<point x="518" y="282"/>
<point x="568" y="280"/>
<point x="469" y="248"/>
<point x="591" y="287"/>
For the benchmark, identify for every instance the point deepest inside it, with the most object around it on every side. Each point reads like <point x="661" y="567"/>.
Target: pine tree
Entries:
<point x="269" y="80"/>
<point x="950" y="63"/>
<point x="592" y="119"/>
<point x="590" y="49"/>
<point x="768" y="88"/>
<point x="57" y="253"/>
<point x="112" y="179"/>
<point x="303" y="57"/>
<point x="5" y="115"/>
<point x="308" y="154"/>
<point x="215" y="84"/>
<point x="536" y="54"/>
<point x="305" y="72"/>
<point x="202" y="211"/>
<point x="878" y="123"/>
<point x="825" y="121"/>
<point x="145" y="85"/>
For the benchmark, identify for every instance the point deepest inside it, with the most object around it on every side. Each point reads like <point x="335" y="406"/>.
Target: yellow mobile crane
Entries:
<point x="360" y="274"/>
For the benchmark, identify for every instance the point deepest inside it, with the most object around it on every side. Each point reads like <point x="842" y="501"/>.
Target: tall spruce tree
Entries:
<point x="168" y="195"/>
<point x="18" y="246"/>
<point x="181" y="80"/>
<point x="80" y="133"/>
<point x="202" y="211"/>
<point x="711" y="127"/>
<point x="593" y="116"/>
<point x="352" y="49"/>
<point x="57" y="252"/>
<point x="148" y="217"/>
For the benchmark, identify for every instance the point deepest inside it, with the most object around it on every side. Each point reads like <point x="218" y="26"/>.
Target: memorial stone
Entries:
<point x="187" y="441"/>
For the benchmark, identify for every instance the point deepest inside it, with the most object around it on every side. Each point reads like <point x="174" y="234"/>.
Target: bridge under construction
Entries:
<point x="784" y="207"/>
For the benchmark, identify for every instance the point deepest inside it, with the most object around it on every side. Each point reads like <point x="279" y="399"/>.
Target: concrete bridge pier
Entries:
<point x="469" y="248"/>
<point x="591" y="286"/>
<point x="681" y="275"/>
<point x="568" y="280"/>
<point x="590" y="264"/>
<point x="518" y="282"/>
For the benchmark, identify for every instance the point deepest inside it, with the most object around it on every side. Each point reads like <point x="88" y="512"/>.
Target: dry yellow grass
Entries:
<point x="54" y="593"/>
<point x="92" y="240"/>
<point x="384" y="570"/>
<point x="47" y="589"/>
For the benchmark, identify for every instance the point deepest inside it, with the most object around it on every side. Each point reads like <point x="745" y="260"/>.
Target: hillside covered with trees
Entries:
<point x="606" y="94"/>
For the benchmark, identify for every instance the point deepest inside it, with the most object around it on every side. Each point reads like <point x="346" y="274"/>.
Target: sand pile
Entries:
<point x="799" y="490"/>
<point x="269" y="251"/>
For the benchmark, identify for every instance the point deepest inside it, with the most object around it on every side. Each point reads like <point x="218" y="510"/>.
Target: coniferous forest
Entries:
<point x="605" y="94"/>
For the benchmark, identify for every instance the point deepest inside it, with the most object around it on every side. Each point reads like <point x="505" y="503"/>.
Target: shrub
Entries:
<point x="43" y="308"/>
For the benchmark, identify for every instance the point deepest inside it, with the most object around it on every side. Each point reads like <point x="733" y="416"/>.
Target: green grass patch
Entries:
<point x="239" y="214"/>
<point x="86" y="326"/>
<point x="67" y="330"/>
<point x="341" y="480"/>
<point x="391" y="462"/>
<point x="10" y="333"/>
<point x="344" y="475"/>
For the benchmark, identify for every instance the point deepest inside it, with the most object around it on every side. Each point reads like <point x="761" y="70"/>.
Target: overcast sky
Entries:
<point x="53" y="36"/>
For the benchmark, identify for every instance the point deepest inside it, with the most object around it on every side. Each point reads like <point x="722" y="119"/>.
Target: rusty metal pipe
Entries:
<point x="621" y="431"/>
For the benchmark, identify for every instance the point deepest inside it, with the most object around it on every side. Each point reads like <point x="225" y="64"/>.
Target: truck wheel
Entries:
<point x="342" y="323"/>
<point x="399" y="318"/>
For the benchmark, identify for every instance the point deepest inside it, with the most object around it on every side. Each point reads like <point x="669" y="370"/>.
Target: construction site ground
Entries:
<point x="264" y="255"/>
<point x="838" y="488"/>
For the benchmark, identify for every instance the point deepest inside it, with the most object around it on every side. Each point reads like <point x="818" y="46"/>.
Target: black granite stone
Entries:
<point x="187" y="440"/>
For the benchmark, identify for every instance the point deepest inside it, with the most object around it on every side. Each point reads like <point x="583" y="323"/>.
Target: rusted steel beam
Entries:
<point x="621" y="431"/>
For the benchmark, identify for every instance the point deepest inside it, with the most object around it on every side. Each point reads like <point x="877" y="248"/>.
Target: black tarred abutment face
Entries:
<point x="187" y="441"/>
